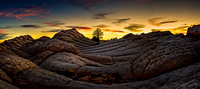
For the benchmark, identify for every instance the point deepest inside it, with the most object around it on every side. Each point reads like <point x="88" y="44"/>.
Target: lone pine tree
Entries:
<point x="97" y="35"/>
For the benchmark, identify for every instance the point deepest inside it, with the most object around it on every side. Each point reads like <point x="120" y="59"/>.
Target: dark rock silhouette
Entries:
<point x="194" y="30"/>
<point x="69" y="60"/>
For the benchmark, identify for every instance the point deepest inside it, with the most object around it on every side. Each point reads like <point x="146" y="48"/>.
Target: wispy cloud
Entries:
<point x="3" y="35"/>
<point x="6" y="27"/>
<point x="50" y="24"/>
<point x="154" y="21"/>
<point x="118" y="21"/>
<point x="115" y="31"/>
<point x="135" y="27"/>
<point x="31" y="26"/>
<point x="53" y="30"/>
<point x="54" y="23"/>
<point x="101" y="26"/>
<point x="23" y="12"/>
<point x="80" y="27"/>
<point x="102" y="15"/>
<point x="166" y="22"/>
<point x="119" y="31"/>
<point x="158" y="22"/>
<point x="1" y="31"/>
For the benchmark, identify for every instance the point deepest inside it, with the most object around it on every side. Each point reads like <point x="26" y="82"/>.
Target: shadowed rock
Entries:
<point x="149" y="57"/>
<point x="4" y="85"/>
<point x="193" y="31"/>
<point x="66" y="62"/>
<point x="165" y="56"/>
<point x="55" y="45"/>
<point x="14" y="64"/>
<point x="38" y="59"/>
<point x="16" y="43"/>
<point x="150" y="61"/>
<point x="4" y="77"/>
<point x="5" y="51"/>
<point x="132" y="37"/>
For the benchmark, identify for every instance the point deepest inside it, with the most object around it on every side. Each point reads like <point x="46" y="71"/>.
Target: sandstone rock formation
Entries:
<point x="74" y="37"/>
<point x="55" y="46"/>
<point x="71" y="61"/>
<point x="66" y="62"/>
<point x="15" y="45"/>
<point x="194" y="30"/>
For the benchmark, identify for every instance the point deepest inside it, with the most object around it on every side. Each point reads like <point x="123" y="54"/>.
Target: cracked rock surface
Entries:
<point x="69" y="60"/>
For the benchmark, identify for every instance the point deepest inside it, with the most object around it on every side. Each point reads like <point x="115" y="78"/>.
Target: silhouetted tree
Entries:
<point x="95" y="39"/>
<point x="97" y="35"/>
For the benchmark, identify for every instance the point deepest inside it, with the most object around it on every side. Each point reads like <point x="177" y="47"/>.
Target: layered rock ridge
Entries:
<point x="69" y="60"/>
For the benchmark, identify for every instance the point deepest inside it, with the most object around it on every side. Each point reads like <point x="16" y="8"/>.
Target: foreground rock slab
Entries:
<point x="69" y="60"/>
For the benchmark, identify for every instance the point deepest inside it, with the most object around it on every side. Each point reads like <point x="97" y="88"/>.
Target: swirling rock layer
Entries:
<point x="69" y="60"/>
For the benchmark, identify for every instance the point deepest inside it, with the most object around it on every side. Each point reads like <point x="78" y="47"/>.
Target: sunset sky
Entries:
<point x="115" y="18"/>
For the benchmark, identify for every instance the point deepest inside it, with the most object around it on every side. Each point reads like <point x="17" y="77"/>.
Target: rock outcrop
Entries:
<point x="66" y="62"/>
<point x="162" y="57"/>
<point x="5" y="85"/>
<point x="74" y="37"/>
<point x="54" y="45"/>
<point x="15" y="45"/>
<point x="194" y="31"/>
<point x="4" y="76"/>
<point x="13" y="64"/>
<point x="69" y="60"/>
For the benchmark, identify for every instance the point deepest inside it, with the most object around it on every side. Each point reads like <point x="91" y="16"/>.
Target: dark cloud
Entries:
<point x="54" y="30"/>
<point x="119" y="31"/>
<point x="121" y="21"/>
<point x="80" y="27"/>
<point x="135" y="27"/>
<point x="28" y="7"/>
<point x="166" y="22"/>
<point x="3" y="36"/>
<point x="88" y="4"/>
<point x="31" y="26"/>
<point x="85" y="4"/>
<point x="23" y="12"/>
<point x="154" y="21"/>
<point x="101" y="26"/>
<point x="54" y="23"/>
<point x="102" y="15"/>
<point x="7" y="27"/>
<point x="109" y="30"/>
<point x="158" y="22"/>
<point x="144" y="1"/>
